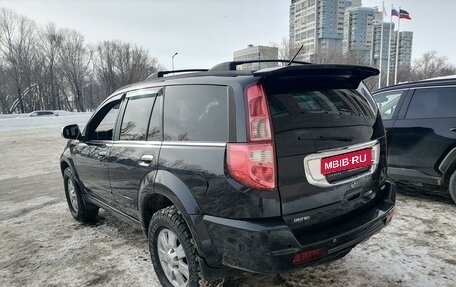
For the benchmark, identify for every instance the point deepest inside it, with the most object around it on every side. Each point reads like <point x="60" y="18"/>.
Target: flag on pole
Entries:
<point x="404" y="14"/>
<point x="384" y="10"/>
<point x="394" y="12"/>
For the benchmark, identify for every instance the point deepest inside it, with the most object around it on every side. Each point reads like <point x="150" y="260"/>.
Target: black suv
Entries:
<point x="265" y="171"/>
<point x="420" y="120"/>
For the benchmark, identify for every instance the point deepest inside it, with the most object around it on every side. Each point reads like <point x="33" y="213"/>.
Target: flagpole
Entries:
<point x="389" y="49"/>
<point x="397" y="46"/>
<point x="381" y="48"/>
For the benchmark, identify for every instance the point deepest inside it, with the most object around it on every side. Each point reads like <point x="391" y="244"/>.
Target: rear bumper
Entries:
<point x="270" y="246"/>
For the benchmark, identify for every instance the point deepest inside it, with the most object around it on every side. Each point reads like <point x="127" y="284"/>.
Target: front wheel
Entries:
<point x="81" y="211"/>
<point x="453" y="186"/>
<point x="173" y="254"/>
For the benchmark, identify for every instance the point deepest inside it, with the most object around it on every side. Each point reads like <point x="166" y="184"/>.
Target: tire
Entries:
<point x="453" y="186"/>
<point x="80" y="210"/>
<point x="173" y="254"/>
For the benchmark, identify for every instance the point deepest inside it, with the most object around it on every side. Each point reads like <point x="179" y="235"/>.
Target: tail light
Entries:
<point x="258" y="114"/>
<point x="253" y="163"/>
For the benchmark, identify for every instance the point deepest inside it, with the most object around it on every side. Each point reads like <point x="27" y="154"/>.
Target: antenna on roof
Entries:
<point x="294" y="57"/>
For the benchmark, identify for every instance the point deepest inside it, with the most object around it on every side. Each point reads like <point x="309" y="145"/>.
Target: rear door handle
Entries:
<point x="146" y="160"/>
<point x="453" y="130"/>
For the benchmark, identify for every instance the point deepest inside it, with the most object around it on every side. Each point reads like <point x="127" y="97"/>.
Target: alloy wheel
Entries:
<point x="72" y="195"/>
<point x="172" y="258"/>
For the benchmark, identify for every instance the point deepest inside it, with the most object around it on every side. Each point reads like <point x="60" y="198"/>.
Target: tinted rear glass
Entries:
<point x="321" y="108"/>
<point x="196" y="113"/>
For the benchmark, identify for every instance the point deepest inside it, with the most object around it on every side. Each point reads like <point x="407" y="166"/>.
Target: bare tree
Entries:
<point x="330" y="57"/>
<point x="431" y="65"/>
<point x="4" y="91"/>
<point x="50" y="76"/>
<point x="17" y="39"/>
<point x="74" y="60"/>
<point x="284" y="48"/>
<point x="50" y="68"/>
<point x="118" y="64"/>
<point x="105" y="66"/>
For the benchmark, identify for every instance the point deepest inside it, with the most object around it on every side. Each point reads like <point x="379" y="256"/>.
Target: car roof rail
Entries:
<point x="160" y="74"/>
<point x="231" y="66"/>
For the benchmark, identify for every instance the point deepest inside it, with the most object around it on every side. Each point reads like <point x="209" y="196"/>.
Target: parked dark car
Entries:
<point x="263" y="171"/>
<point x="42" y="113"/>
<point x="420" y="120"/>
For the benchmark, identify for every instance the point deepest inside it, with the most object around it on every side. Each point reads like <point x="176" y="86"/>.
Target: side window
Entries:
<point x="363" y="90"/>
<point x="102" y="125"/>
<point x="136" y="117"/>
<point x="387" y="103"/>
<point x="432" y="103"/>
<point x="196" y="113"/>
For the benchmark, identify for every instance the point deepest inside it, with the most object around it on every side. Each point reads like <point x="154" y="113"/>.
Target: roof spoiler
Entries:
<point x="350" y="72"/>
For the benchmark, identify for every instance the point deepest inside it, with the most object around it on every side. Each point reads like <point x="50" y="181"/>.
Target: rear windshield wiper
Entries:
<point x="343" y="139"/>
<point x="325" y="138"/>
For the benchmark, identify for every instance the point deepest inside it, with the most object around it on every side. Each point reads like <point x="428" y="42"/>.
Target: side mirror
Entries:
<point x="71" y="132"/>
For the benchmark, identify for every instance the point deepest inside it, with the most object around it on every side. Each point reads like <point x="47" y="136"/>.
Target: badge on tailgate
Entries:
<point x="346" y="161"/>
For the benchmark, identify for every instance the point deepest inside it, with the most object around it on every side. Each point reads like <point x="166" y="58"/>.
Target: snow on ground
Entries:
<point x="41" y="244"/>
<point x="24" y="122"/>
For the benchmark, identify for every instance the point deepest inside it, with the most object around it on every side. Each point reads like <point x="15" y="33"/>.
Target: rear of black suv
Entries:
<point x="316" y="143"/>
<point x="264" y="171"/>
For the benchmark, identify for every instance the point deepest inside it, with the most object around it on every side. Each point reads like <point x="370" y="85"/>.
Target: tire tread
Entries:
<point x="87" y="212"/>
<point x="174" y="218"/>
<point x="452" y="186"/>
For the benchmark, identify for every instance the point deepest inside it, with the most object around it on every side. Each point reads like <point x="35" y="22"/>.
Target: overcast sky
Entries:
<point x="206" y="32"/>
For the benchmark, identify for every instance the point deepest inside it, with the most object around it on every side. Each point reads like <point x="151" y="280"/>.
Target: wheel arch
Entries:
<point x="448" y="166"/>
<point x="64" y="165"/>
<point x="448" y="173"/>
<point x="160" y="189"/>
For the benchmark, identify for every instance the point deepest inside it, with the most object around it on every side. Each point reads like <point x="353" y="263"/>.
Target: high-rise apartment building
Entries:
<point x="318" y="25"/>
<point x="358" y="33"/>
<point x="377" y="42"/>
<point x="343" y="26"/>
<point x="405" y="50"/>
<point x="256" y="53"/>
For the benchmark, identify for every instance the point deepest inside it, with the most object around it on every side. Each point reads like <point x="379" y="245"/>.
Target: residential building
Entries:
<point x="358" y="33"/>
<point x="387" y="28"/>
<point x="318" y="25"/>
<point x="256" y="53"/>
<point x="405" y="50"/>
<point x="327" y="28"/>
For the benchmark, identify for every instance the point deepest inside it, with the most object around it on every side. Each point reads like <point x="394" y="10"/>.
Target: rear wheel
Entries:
<point x="80" y="210"/>
<point x="453" y="186"/>
<point x="173" y="254"/>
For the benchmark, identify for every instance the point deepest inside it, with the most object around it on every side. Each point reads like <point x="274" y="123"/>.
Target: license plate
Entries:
<point x="346" y="161"/>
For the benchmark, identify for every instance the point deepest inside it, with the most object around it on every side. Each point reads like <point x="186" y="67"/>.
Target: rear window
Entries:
<point x="323" y="107"/>
<point x="45" y="113"/>
<point x="329" y="101"/>
<point x="319" y="102"/>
